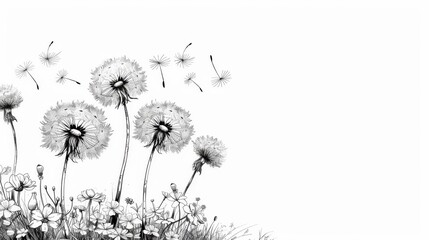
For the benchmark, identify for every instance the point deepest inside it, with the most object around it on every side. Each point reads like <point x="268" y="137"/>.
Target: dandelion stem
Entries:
<point x="114" y="219"/>
<point x="146" y="176"/>
<point x="192" y="179"/>
<point x="211" y="59"/>
<point x="197" y="85"/>
<point x="37" y="85"/>
<point x="63" y="188"/>
<point x="73" y="80"/>
<point x="15" y="161"/>
<point x="162" y="75"/>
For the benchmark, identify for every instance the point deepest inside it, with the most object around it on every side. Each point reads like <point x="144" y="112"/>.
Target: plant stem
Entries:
<point x="63" y="205"/>
<point x="18" y="199"/>
<point x="114" y="219"/>
<point x="211" y="59"/>
<point x="2" y="189"/>
<point x="162" y="75"/>
<point x="15" y="161"/>
<point x="146" y="176"/>
<point x="41" y="196"/>
<point x="73" y="80"/>
<point x="88" y="212"/>
<point x="37" y="85"/>
<point x="197" y="85"/>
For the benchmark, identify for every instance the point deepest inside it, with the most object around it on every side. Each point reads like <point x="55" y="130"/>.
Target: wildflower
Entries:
<point x="113" y="208"/>
<point x="24" y="69"/>
<point x="81" y="228"/>
<point x="7" y="207"/>
<point x="177" y="199"/>
<point x="21" y="233"/>
<point x="45" y="218"/>
<point x="154" y="213"/>
<point x="183" y="59"/>
<point x="120" y="233"/>
<point x="117" y="81"/>
<point x="49" y="58"/>
<point x="129" y="201"/>
<point x="89" y="194"/>
<point x="62" y="77"/>
<point x="10" y="232"/>
<point x="190" y="79"/>
<point x="128" y="220"/>
<point x="104" y="228"/>
<point x="4" y="170"/>
<point x="151" y="230"/>
<point x="81" y="208"/>
<point x="221" y="79"/>
<point x="164" y="126"/>
<point x="20" y="182"/>
<point x="97" y="217"/>
<point x="171" y="236"/>
<point x="164" y="218"/>
<point x="195" y="213"/>
<point x="159" y="62"/>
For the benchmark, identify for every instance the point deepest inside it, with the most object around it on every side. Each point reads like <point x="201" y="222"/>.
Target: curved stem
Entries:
<point x="114" y="219"/>
<point x="162" y="75"/>
<point x="197" y="85"/>
<point x="72" y="80"/>
<point x="63" y="205"/>
<point x="15" y="161"/>
<point x="37" y="85"/>
<point x="146" y="177"/>
<point x="211" y="59"/>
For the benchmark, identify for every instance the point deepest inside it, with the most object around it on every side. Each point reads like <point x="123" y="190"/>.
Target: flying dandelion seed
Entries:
<point x="24" y="69"/>
<point x="10" y="98"/>
<point x="76" y="130"/>
<point x="164" y="127"/>
<point x="183" y="59"/>
<point x="116" y="82"/>
<point x="210" y="151"/>
<point x="49" y="58"/>
<point x="159" y="62"/>
<point x="62" y="77"/>
<point x="190" y="79"/>
<point x="221" y="79"/>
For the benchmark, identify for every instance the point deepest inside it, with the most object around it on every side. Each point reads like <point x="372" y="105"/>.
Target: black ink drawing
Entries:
<point x="62" y="77"/>
<point x="159" y="62"/>
<point x="76" y="130"/>
<point x="24" y="69"/>
<point x="49" y="58"/>
<point x="221" y="79"/>
<point x="190" y="78"/>
<point x="183" y="59"/>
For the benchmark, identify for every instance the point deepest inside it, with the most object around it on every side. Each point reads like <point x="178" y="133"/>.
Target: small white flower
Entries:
<point x="45" y="218"/>
<point x="7" y="208"/>
<point x="151" y="230"/>
<point x="112" y="208"/>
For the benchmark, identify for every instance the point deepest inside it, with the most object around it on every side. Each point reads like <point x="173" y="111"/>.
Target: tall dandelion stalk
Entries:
<point x="10" y="98"/>
<point x="164" y="127"/>
<point x="210" y="151"/>
<point x="77" y="131"/>
<point x="116" y="82"/>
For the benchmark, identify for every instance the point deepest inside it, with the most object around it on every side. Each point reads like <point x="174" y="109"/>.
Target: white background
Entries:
<point x="325" y="119"/>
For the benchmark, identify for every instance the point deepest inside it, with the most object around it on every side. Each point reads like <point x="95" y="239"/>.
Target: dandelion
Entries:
<point x="104" y="228"/>
<point x="171" y="236"/>
<point x="21" y="233"/>
<point x="190" y="79"/>
<point x="120" y="233"/>
<point x="221" y="79"/>
<point x="44" y="218"/>
<point x="62" y="77"/>
<point x="128" y="220"/>
<point x="49" y="58"/>
<point x="151" y="230"/>
<point x="159" y="62"/>
<point x="116" y="82"/>
<point x="165" y="127"/>
<point x="113" y="208"/>
<point x="7" y="207"/>
<point x="183" y="59"/>
<point x="24" y="69"/>
<point x="10" y="98"/>
<point x="77" y="130"/>
<point x="210" y="151"/>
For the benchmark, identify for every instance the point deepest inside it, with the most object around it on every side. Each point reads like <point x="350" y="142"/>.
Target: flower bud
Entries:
<point x="215" y="218"/>
<point x="197" y="199"/>
<point x="32" y="203"/>
<point x="40" y="169"/>
<point x="173" y="187"/>
<point x="53" y="188"/>
<point x="71" y="199"/>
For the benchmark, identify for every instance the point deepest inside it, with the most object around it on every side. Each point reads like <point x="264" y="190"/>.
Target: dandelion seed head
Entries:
<point x="49" y="58"/>
<point x="61" y="75"/>
<point x="224" y="78"/>
<point x="117" y="81"/>
<point x="211" y="150"/>
<point x="159" y="61"/>
<point x="183" y="60"/>
<point x="23" y="69"/>
<point x="77" y="129"/>
<point x="165" y="125"/>
<point x="190" y="77"/>
<point x="10" y="97"/>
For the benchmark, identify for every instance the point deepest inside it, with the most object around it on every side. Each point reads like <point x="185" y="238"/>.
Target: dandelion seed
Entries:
<point x="183" y="59"/>
<point x="159" y="62"/>
<point x="62" y="77"/>
<point x="221" y="79"/>
<point x="49" y="58"/>
<point x="24" y="69"/>
<point x="190" y="79"/>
